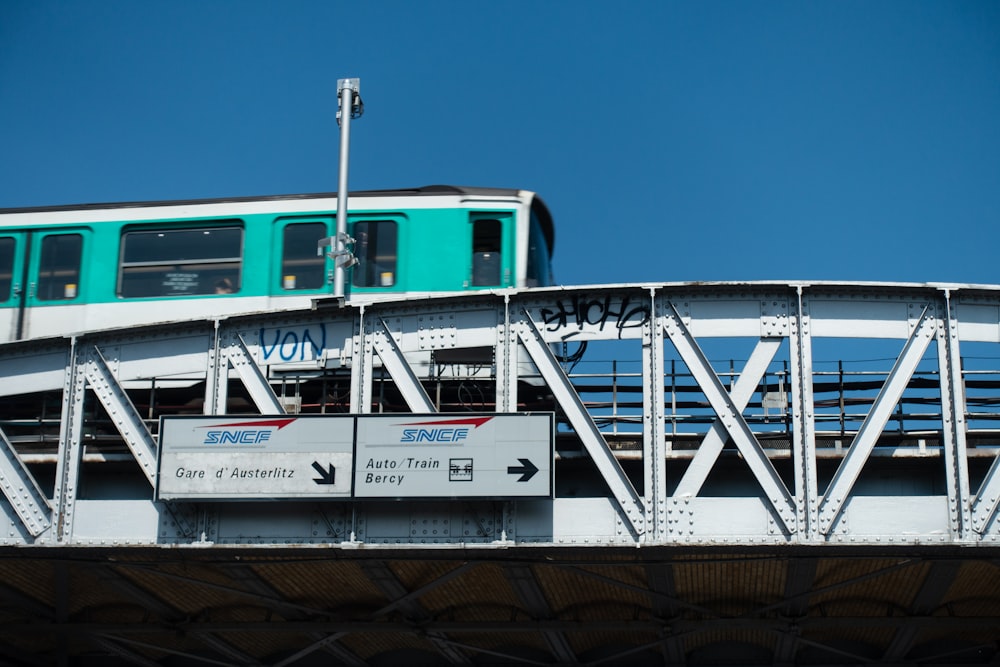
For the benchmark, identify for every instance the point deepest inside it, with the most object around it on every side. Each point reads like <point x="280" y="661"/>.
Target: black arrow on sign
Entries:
<point x="526" y="471"/>
<point x="325" y="476"/>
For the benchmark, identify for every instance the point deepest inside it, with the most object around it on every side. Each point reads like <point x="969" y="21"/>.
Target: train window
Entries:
<point x="375" y="250"/>
<point x="486" y="245"/>
<point x="59" y="267"/>
<point x="6" y="266"/>
<point x="301" y="268"/>
<point x="181" y="262"/>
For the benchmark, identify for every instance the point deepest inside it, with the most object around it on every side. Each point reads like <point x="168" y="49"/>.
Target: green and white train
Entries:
<point x="71" y="269"/>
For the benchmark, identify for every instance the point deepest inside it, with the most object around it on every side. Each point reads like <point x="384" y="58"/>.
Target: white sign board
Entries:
<point x="356" y="456"/>
<point x="255" y="457"/>
<point x="454" y="456"/>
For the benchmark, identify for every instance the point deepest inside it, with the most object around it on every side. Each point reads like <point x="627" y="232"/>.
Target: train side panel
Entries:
<point x="66" y="271"/>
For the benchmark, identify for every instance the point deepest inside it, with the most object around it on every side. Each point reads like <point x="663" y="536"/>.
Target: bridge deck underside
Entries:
<point x="657" y="606"/>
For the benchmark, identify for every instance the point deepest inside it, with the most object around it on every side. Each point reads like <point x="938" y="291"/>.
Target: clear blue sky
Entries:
<point x="672" y="140"/>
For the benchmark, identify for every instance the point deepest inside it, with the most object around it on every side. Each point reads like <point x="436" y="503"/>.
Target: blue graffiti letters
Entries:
<point x="293" y="343"/>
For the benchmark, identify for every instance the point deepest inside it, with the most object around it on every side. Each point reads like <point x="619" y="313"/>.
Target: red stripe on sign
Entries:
<point x="476" y="422"/>
<point x="279" y="423"/>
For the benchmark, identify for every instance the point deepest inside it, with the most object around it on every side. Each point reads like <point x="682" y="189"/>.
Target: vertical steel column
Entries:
<point x="505" y="356"/>
<point x="953" y="421"/>
<point x="70" y="444"/>
<point x="653" y="442"/>
<point x="217" y="377"/>
<point x="803" y="422"/>
<point x="362" y="366"/>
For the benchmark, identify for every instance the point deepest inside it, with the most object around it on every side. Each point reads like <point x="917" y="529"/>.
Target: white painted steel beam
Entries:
<point x="987" y="499"/>
<point x="21" y="491"/>
<point x="953" y="421"/>
<point x="713" y="442"/>
<point x="363" y="365"/>
<point x="608" y="507"/>
<point x="803" y="420"/>
<point x="119" y="407"/>
<point x="653" y="423"/>
<point x="216" y="376"/>
<point x="70" y="445"/>
<point x="849" y="470"/>
<point x="628" y="501"/>
<point x="730" y="414"/>
<point x="31" y="368"/>
<point x="505" y="357"/>
<point x="406" y="380"/>
<point x="234" y="350"/>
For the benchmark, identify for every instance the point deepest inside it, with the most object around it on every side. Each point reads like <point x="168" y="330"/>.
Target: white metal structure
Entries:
<point x="772" y="446"/>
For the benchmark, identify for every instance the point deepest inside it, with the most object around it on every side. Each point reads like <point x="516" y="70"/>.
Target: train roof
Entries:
<point x="538" y="207"/>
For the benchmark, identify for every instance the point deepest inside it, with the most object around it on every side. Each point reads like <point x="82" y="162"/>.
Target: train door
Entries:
<point x="492" y="256"/>
<point x="12" y="265"/>
<point x="376" y="248"/>
<point x="54" y="302"/>
<point x="297" y="265"/>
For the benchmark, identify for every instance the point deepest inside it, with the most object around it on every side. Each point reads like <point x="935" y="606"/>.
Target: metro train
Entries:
<point x="71" y="269"/>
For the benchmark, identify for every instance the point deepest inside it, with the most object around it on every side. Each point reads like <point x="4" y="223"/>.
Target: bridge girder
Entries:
<point x="811" y="472"/>
<point x="662" y="466"/>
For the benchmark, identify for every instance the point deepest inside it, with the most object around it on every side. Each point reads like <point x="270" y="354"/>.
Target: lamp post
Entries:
<point x="350" y="106"/>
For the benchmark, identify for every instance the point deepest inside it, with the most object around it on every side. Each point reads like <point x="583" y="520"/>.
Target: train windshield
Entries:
<point x="539" y="268"/>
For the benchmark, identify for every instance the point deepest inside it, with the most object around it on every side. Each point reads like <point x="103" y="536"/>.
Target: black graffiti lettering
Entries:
<point x="553" y="320"/>
<point x="583" y="311"/>
<point x="635" y="317"/>
<point x="596" y="313"/>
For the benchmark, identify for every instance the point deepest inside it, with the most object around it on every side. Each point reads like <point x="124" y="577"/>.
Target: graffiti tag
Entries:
<point x="292" y="344"/>
<point x="600" y="312"/>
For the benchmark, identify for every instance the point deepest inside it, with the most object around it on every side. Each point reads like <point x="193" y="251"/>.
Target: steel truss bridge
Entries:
<point x="759" y="473"/>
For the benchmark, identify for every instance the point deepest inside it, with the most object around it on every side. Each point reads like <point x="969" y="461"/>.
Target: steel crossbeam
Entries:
<point x="715" y="439"/>
<point x="21" y="490"/>
<point x="234" y="350"/>
<point x="118" y="405"/>
<point x="729" y="412"/>
<point x="388" y="351"/>
<point x="849" y="470"/>
<point x="984" y="505"/>
<point x="629" y="502"/>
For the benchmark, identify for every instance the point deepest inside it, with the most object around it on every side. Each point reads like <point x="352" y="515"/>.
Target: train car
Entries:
<point x="71" y="269"/>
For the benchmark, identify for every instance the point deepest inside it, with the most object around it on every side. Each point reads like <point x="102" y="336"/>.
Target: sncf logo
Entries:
<point x="243" y="433"/>
<point x="441" y="430"/>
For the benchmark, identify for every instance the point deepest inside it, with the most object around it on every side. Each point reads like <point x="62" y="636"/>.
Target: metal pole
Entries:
<point x="346" y="90"/>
